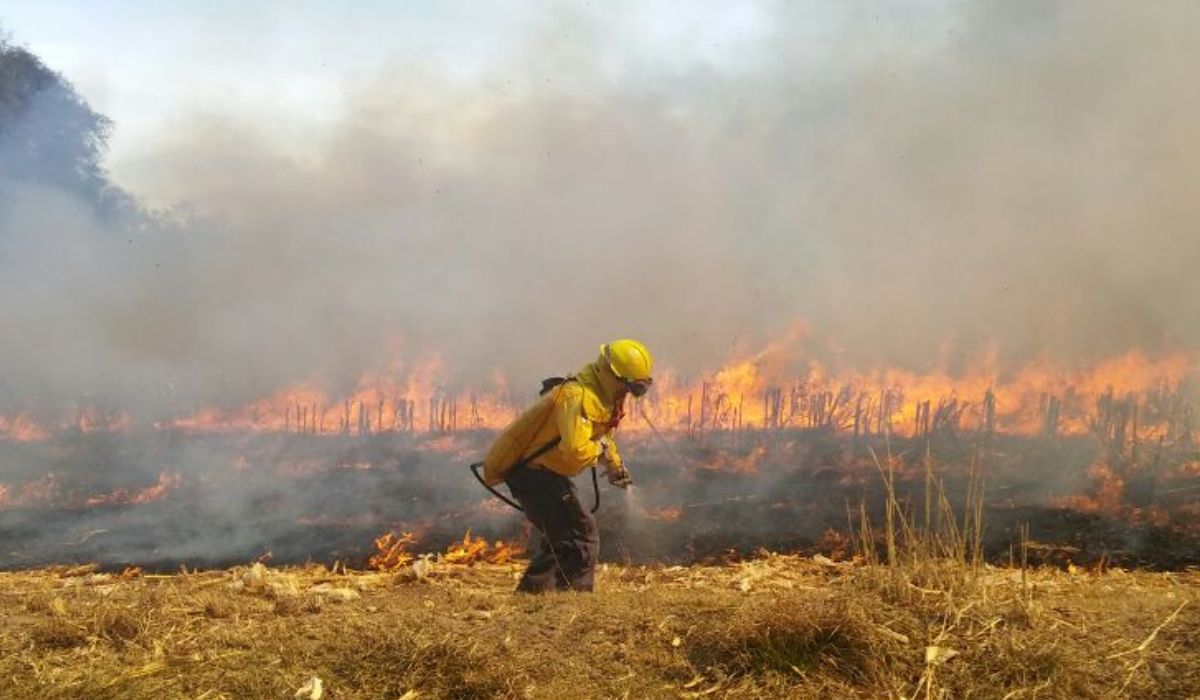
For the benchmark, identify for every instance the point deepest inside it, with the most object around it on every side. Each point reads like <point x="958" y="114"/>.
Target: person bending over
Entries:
<point x="568" y="430"/>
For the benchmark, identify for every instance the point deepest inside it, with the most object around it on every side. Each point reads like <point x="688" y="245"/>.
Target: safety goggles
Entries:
<point x="637" y="387"/>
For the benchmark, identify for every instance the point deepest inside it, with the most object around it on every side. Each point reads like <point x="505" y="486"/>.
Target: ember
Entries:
<point x="669" y="513"/>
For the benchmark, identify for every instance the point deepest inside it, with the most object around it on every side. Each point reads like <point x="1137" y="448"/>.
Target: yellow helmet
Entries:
<point x="631" y="362"/>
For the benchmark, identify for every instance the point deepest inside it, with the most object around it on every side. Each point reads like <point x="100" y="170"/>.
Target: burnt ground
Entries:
<point x="294" y="498"/>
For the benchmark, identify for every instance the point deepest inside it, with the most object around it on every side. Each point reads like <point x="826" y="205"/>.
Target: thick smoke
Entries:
<point x="917" y="187"/>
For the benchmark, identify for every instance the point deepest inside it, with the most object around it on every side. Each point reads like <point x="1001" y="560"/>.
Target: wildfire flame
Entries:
<point x="474" y="550"/>
<point x="42" y="491"/>
<point x="776" y="388"/>
<point x="1107" y="492"/>
<point x="404" y="402"/>
<point x="469" y="551"/>
<point x="391" y="551"/>
<point x="166" y="482"/>
<point x="20" y="428"/>
<point x="759" y="392"/>
<point x="1040" y="397"/>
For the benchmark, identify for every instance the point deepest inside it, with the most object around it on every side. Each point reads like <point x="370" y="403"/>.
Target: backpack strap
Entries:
<point x="550" y="382"/>
<point x="549" y="445"/>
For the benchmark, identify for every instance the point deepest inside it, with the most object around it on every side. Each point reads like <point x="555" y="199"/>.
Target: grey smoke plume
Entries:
<point x="921" y="187"/>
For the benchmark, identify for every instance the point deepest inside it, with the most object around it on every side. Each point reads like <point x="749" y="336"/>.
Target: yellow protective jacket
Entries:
<point x="578" y="410"/>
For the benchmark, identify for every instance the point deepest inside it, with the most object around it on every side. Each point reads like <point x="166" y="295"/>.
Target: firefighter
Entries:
<point x="567" y="431"/>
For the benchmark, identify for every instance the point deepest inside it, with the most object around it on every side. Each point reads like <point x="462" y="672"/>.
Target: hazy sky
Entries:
<point x="148" y="64"/>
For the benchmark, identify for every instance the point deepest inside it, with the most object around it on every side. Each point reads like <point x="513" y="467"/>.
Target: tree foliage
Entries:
<point x="49" y="135"/>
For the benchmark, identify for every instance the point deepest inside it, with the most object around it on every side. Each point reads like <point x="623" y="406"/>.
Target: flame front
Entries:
<point x="410" y="401"/>
<point x="1037" y="398"/>
<point x="775" y="388"/>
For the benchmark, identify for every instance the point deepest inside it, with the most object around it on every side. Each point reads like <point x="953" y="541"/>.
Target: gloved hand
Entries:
<point x="619" y="477"/>
<point x="617" y="474"/>
<point x="605" y="457"/>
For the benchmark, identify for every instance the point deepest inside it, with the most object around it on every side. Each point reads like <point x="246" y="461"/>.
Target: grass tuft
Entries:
<point x="57" y="633"/>
<point x="793" y="635"/>
<point x="116" y="625"/>
<point x="216" y="607"/>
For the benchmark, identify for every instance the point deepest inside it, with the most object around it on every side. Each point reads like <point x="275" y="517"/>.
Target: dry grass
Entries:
<point x="772" y="627"/>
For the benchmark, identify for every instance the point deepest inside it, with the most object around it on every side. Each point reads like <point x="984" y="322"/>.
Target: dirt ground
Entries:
<point x="774" y="626"/>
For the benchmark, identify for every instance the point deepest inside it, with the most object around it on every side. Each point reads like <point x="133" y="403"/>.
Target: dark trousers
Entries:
<point x="565" y="557"/>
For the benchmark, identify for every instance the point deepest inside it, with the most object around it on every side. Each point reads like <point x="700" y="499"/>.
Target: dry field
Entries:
<point x="774" y="626"/>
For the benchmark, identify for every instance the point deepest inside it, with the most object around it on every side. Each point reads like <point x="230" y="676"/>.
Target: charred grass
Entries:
<point x="776" y="626"/>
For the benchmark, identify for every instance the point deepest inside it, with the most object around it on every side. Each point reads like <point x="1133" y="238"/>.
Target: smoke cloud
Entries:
<point x="916" y="187"/>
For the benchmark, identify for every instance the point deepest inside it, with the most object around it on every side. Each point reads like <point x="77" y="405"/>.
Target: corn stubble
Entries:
<point x="916" y="612"/>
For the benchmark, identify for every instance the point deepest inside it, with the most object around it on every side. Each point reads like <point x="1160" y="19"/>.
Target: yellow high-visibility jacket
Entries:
<point x="579" y="411"/>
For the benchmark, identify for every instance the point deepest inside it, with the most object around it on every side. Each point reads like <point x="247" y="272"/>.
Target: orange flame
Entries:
<point x="468" y="551"/>
<point x="775" y="388"/>
<point x="166" y="482"/>
<point x="402" y="402"/>
<point x="472" y="550"/>
<point x="391" y="551"/>
<point x="42" y="491"/>
<point x="504" y="552"/>
<point x="761" y="393"/>
<point x="20" y="428"/>
<point x="1107" y="493"/>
